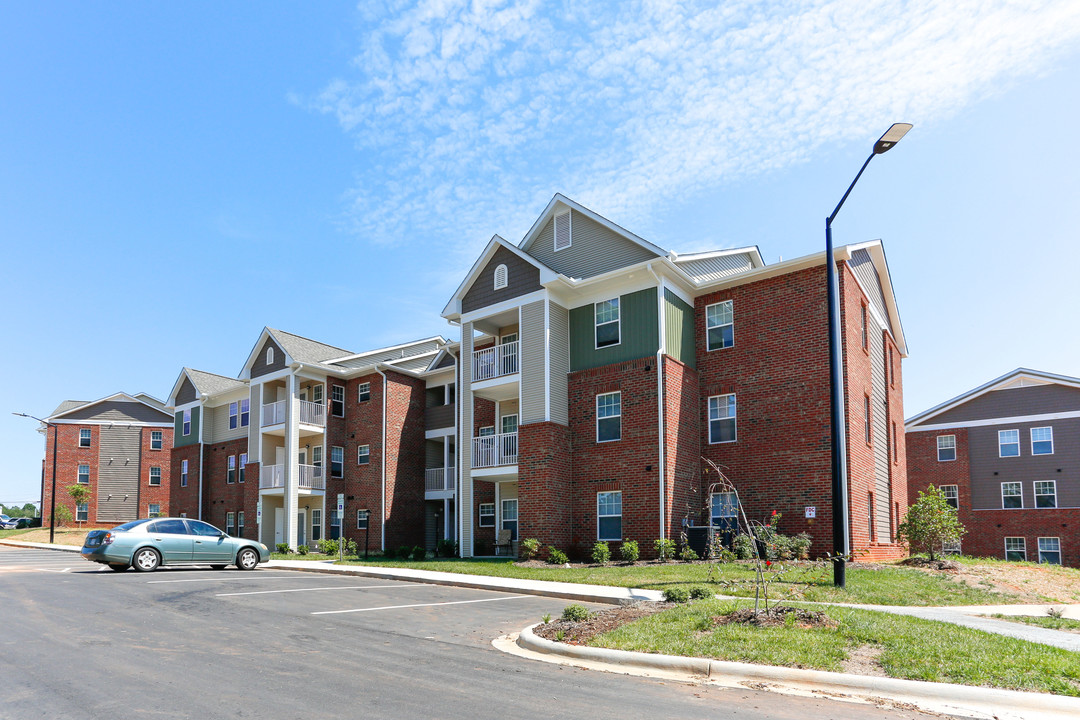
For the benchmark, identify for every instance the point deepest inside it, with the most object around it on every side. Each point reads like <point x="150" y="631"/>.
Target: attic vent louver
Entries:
<point x="500" y="277"/>
<point x="562" y="231"/>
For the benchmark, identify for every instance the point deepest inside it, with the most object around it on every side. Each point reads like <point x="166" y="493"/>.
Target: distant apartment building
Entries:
<point x="1007" y="456"/>
<point x="119" y="448"/>
<point x="593" y="372"/>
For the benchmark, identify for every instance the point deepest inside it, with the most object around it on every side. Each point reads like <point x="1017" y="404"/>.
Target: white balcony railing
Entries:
<point x="312" y="413"/>
<point x="273" y="413"/>
<point x="495" y="361"/>
<point x="310" y="477"/>
<point x="438" y="479"/>
<point x="495" y="450"/>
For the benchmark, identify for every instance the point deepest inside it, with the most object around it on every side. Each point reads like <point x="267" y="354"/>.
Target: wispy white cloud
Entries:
<point x="469" y="115"/>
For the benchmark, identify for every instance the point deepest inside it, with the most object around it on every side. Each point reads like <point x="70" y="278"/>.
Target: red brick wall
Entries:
<point x="361" y="484"/>
<point x="925" y="470"/>
<point x="68" y="458"/>
<point x="987" y="530"/>
<point x="405" y="460"/>
<point x="155" y="458"/>
<point x="484" y="492"/>
<point x="630" y="464"/>
<point x="185" y="499"/>
<point x="544" y="484"/>
<point x="219" y="497"/>
<point x="682" y="447"/>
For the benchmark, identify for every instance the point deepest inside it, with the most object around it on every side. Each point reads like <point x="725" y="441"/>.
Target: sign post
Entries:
<point x="341" y="525"/>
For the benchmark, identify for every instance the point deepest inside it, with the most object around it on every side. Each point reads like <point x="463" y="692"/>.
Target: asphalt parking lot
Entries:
<point x="84" y="642"/>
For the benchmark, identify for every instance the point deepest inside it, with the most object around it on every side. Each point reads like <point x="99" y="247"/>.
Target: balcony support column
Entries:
<point x="292" y="459"/>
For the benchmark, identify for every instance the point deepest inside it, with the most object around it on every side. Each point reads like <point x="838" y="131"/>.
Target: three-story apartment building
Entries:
<point x="1007" y="456"/>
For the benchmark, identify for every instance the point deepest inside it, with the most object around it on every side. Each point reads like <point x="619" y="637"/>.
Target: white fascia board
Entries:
<point x="871" y="308"/>
<point x="245" y="372"/>
<point x="877" y="253"/>
<point x="440" y="377"/>
<point x="505" y="305"/>
<point x="110" y="423"/>
<point x="177" y="384"/>
<point x="571" y="293"/>
<point x="452" y="311"/>
<point x="353" y="356"/>
<point x="276" y="375"/>
<point x="560" y="199"/>
<point x="997" y="383"/>
<point x="395" y="361"/>
<point x="188" y="405"/>
<point x="984" y="422"/>
<point x="755" y="255"/>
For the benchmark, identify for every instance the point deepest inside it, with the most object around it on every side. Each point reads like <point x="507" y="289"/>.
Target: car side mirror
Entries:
<point x="222" y="534"/>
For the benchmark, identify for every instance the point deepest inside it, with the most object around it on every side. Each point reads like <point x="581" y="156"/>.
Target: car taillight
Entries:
<point x="107" y="539"/>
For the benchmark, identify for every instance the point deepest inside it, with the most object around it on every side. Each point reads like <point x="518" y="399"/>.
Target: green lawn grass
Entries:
<point x="884" y="586"/>
<point x="1044" y="621"/>
<point x="910" y="648"/>
<point x="15" y="533"/>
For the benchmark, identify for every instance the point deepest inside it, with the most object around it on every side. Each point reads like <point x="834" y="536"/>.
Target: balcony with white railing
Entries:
<point x="439" y="479"/>
<point x="309" y="477"/>
<point x="311" y="417"/>
<point x="495" y="450"/>
<point x="495" y="361"/>
<point x="273" y="413"/>
<point x="312" y="413"/>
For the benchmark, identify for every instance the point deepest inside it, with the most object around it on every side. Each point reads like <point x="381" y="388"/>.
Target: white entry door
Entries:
<point x="301" y="527"/>
<point x="279" y="525"/>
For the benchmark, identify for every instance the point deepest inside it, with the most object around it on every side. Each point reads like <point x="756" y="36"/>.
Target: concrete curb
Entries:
<point x="39" y="546"/>
<point x="936" y="697"/>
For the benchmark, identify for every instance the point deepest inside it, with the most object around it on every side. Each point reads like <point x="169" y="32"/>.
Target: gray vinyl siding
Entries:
<point x="679" y="329"/>
<point x="259" y="367"/>
<point x="638" y="332"/>
<point x="1015" y="402"/>
<point x="186" y="393"/>
<point x="1026" y="469"/>
<point x="465" y="397"/>
<point x="533" y="365"/>
<point x="522" y="278"/>
<point x="118" y="474"/>
<point x="254" y="427"/>
<point x="863" y="266"/>
<point x="559" y="362"/>
<point x="217" y="425"/>
<point x="181" y="440"/>
<point x="433" y="454"/>
<point x="594" y="249"/>
<point x="880" y="431"/>
<point x="447" y="361"/>
<point x="123" y="411"/>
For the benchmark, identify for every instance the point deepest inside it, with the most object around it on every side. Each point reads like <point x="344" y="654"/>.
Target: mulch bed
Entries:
<point x="580" y="633"/>
<point x="775" y="616"/>
<point x="938" y="564"/>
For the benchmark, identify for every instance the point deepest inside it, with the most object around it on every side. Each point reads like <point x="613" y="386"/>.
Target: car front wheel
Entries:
<point x="146" y="560"/>
<point x="247" y="559"/>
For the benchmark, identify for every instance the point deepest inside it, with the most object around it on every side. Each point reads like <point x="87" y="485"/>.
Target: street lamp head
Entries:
<point x="891" y="137"/>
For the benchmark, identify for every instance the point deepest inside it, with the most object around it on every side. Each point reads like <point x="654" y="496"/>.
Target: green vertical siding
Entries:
<point x="679" y="329"/>
<point x="179" y="439"/>
<point x="638" y="333"/>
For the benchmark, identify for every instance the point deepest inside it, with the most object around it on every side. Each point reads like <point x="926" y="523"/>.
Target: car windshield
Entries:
<point x="128" y="525"/>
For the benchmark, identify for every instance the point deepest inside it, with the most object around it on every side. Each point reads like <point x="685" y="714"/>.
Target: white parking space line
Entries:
<point x="315" y="589"/>
<point x="401" y="607"/>
<point x="223" y="577"/>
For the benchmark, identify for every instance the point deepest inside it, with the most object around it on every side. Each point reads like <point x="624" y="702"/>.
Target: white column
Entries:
<point x="292" y="458"/>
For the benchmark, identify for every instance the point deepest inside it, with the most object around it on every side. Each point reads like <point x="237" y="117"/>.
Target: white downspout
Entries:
<point x="202" y="424"/>
<point x="382" y="524"/>
<point x="660" y="350"/>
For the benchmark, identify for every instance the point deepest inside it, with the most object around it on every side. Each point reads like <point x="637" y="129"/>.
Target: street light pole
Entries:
<point x="841" y="537"/>
<point x="52" y="500"/>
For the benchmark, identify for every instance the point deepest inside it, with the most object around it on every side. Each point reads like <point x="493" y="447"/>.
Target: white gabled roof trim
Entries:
<point x="120" y="395"/>
<point x="560" y="199"/>
<point x="433" y="338"/>
<point x="453" y="308"/>
<point x="751" y="250"/>
<point x="1005" y="382"/>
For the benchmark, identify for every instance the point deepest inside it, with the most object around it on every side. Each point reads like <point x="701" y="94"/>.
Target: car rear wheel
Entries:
<point x="118" y="567"/>
<point x="146" y="560"/>
<point x="247" y="559"/>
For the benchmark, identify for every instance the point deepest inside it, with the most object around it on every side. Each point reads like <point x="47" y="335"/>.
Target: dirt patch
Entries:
<point x="927" y="564"/>
<point x="864" y="660"/>
<point x="775" y="616"/>
<point x="64" y="536"/>
<point x="1027" y="583"/>
<point x="580" y="633"/>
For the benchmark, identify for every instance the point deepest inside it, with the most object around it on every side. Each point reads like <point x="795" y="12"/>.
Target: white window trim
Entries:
<point x="598" y="516"/>
<point x="1031" y="435"/>
<point x="709" y="327"/>
<point x="89" y="437"/>
<point x="596" y="325"/>
<point x="608" y="417"/>
<point x="503" y="519"/>
<point x="1003" y="496"/>
<point x="366" y="456"/>
<point x="503" y="419"/>
<point x="241" y="463"/>
<point x="480" y="432"/>
<point x="569" y="231"/>
<point x="709" y="418"/>
<point x="183" y="473"/>
<point x="234" y="415"/>
<point x="332" y="400"/>
<point x="185" y="422"/>
<point x="83" y="508"/>
<point x="240" y="523"/>
<point x="1037" y="495"/>
<point x="150" y="479"/>
<point x="245" y="415"/>
<point x="953" y="448"/>
<point x="502" y="279"/>
<point x="230" y="470"/>
<point x="481" y="515"/>
<point x="1038" y="546"/>
<point x="1023" y="543"/>
<point x="160" y="439"/>
<point x="1017" y="443"/>
<point x="78" y="475"/>
<point x="361" y="389"/>
<point x="342" y="461"/>
<point x="230" y="523"/>
<point x="955" y="496"/>
<point x="270" y="356"/>
<point x="363" y="522"/>
<point x="151" y="512"/>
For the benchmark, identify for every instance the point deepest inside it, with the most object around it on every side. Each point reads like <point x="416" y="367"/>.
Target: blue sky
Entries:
<point x="173" y="177"/>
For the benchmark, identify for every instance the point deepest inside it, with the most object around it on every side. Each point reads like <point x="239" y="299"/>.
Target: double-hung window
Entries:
<point x="609" y="515"/>
<point x="84" y="437"/>
<point x="84" y="475"/>
<point x="1008" y="443"/>
<point x="82" y="512"/>
<point x="363" y="392"/>
<point x="183" y="473"/>
<point x="1011" y="495"/>
<point x="1015" y="549"/>
<point x="234" y="415"/>
<point x="153" y="510"/>
<point x="363" y="454"/>
<point x="1042" y="441"/>
<point x="946" y="448"/>
<point x="719" y="326"/>
<point x="230" y="472"/>
<point x="952" y="495"/>
<point x="337" y="400"/>
<point x="240" y="524"/>
<point x="722" y="419"/>
<point x="1050" y="550"/>
<point x="510" y="517"/>
<point x="609" y="417"/>
<point x="245" y="412"/>
<point x="724" y="510"/>
<point x="316" y="524"/>
<point x="487" y="515"/>
<point x="156" y="439"/>
<point x="241" y="471"/>
<point x="337" y="461"/>
<point x="155" y="476"/>
<point x="362" y="517"/>
<point x="607" y="323"/>
<point x="1046" y="493"/>
<point x="186" y="428"/>
<point x="868" y="433"/>
<point x="230" y="523"/>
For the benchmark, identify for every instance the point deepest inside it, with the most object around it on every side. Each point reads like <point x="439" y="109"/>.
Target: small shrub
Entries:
<point x="559" y="635"/>
<point x="687" y="554"/>
<point x="283" y="548"/>
<point x="330" y="547"/>
<point x="699" y="592"/>
<point x="601" y="553"/>
<point x="349" y="546"/>
<point x="404" y="552"/>
<point x="446" y="548"/>
<point x="546" y="617"/>
<point x="629" y="551"/>
<point x="743" y="547"/>
<point x="529" y="548"/>
<point x="800" y="545"/>
<point x="677" y="595"/>
<point x="556" y="556"/>
<point x="1056" y="613"/>
<point x="575" y="613"/>
<point x="726" y="556"/>
<point x="302" y="549"/>
<point x="665" y="549"/>
<point x="419" y="553"/>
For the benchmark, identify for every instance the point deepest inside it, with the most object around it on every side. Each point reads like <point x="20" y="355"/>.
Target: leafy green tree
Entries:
<point x="930" y="522"/>
<point x="79" y="493"/>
